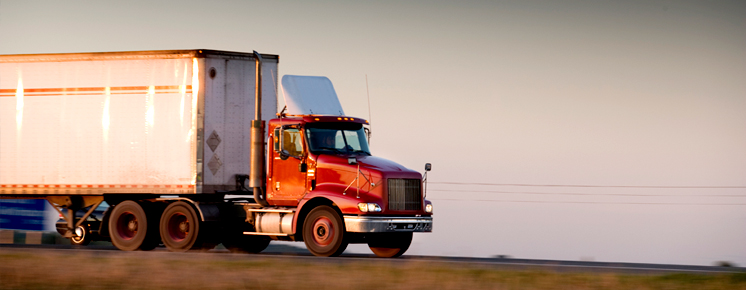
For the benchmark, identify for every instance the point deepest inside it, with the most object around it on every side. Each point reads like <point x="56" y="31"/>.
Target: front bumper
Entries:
<point x="370" y="224"/>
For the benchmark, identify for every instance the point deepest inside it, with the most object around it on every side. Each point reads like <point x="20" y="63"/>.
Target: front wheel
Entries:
<point x="324" y="232"/>
<point x="390" y="245"/>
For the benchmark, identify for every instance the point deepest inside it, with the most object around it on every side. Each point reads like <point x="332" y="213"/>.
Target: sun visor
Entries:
<point x="310" y="95"/>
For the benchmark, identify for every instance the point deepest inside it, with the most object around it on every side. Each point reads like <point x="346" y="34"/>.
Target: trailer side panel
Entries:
<point x="98" y="126"/>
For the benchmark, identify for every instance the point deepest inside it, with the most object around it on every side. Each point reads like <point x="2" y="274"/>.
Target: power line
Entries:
<point x="586" y="185"/>
<point x="592" y="202"/>
<point x="588" y="194"/>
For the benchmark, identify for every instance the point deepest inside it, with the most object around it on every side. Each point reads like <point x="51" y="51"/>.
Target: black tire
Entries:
<point x="246" y="243"/>
<point x="390" y="245"/>
<point x="180" y="227"/>
<point x="81" y="236"/>
<point x="129" y="228"/>
<point x="324" y="232"/>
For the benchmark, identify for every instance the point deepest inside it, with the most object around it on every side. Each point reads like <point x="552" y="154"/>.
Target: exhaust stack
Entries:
<point x="256" y="180"/>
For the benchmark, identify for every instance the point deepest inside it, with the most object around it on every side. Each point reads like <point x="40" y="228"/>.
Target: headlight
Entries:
<point x="368" y="207"/>
<point x="429" y="207"/>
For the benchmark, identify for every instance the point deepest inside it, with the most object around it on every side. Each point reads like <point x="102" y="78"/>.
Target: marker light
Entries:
<point x="368" y="207"/>
<point x="429" y="208"/>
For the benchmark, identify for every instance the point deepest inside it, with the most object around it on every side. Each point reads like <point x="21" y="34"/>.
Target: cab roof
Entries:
<point x="318" y="119"/>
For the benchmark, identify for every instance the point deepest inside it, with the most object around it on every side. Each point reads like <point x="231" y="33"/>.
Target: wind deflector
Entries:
<point x="310" y="95"/>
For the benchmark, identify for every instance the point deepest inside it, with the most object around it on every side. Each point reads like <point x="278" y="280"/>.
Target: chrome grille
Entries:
<point x="405" y="194"/>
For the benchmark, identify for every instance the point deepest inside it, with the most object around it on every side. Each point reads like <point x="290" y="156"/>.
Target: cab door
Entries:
<point x="288" y="178"/>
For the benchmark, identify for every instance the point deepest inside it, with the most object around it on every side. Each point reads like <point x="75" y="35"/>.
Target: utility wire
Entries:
<point x="586" y="185"/>
<point x="586" y="194"/>
<point x="592" y="202"/>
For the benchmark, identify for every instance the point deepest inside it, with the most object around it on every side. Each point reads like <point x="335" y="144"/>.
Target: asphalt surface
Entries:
<point x="285" y="252"/>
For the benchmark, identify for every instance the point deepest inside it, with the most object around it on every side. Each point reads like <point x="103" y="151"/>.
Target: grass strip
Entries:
<point x="40" y="269"/>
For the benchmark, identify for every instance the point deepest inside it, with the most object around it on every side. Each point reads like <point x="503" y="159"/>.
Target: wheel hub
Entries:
<point x="127" y="225"/>
<point x="178" y="227"/>
<point x="132" y="225"/>
<point x="323" y="231"/>
<point x="79" y="232"/>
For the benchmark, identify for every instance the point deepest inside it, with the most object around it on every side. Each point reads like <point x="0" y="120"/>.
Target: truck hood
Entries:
<point x="366" y="162"/>
<point x="378" y="163"/>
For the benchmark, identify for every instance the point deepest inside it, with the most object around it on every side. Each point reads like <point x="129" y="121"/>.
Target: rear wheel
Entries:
<point x="80" y="236"/>
<point x="324" y="233"/>
<point x="180" y="227"/>
<point x="390" y="245"/>
<point x="129" y="228"/>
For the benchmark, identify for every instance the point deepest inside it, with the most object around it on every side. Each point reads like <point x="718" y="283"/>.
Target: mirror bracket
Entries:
<point x="428" y="167"/>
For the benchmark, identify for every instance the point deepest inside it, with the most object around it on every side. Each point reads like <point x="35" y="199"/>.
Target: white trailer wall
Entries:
<point x="111" y="125"/>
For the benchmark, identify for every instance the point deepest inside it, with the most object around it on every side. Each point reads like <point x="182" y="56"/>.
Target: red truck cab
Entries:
<point x="323" y="167"/>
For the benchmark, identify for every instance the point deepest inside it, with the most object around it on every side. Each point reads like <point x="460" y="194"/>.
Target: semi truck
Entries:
<point x="188" y="149"/>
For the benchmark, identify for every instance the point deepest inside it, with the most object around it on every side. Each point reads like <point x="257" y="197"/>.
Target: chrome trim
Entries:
<point x="265" y="234"/>
<point x="404" y="194"/>
<point x="198" y="124"/>
<point x="270" y="210"/>
<point x="368" y="224"/>
<point x="273" y="222"/>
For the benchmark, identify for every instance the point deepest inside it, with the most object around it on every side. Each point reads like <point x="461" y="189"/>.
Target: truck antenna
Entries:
<point x="370" y="120"/>
<point x="274" y="83"/>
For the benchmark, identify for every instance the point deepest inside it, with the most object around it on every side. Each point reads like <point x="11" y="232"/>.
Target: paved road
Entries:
<point x="293" y="253"/>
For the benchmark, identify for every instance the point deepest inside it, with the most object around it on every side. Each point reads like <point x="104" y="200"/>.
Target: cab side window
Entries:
<point x="292" y="142"/>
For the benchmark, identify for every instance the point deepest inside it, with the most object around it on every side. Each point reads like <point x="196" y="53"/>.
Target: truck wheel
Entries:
<point x="80" y="236"/>
<point x="128" y="227"/>
<point x="390" y="245"/>
<point x="246" y="244"/>
<point x="324" y="233"/>
<point x="180" y="227"/>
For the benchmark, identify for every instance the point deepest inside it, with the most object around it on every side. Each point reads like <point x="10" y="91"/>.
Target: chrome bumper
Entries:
<point x="368" y="224"/>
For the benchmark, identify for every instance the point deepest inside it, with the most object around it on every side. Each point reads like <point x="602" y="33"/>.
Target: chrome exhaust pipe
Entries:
<point x="256" y="178"/>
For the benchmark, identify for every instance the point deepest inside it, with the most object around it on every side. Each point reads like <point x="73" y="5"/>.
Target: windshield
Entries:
<point x="337" y="140"/>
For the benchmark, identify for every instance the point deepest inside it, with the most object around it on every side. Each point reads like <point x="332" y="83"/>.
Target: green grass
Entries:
<point x="45" y="269"/>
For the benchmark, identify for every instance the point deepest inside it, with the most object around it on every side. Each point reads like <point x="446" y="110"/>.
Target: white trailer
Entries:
<point x="79" y="128"/>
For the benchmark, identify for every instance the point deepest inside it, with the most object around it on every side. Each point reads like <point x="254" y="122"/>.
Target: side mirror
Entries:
<point x="276" y="139"/>
<point x="428" y="167"/>
<point x="367" y="134"/>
